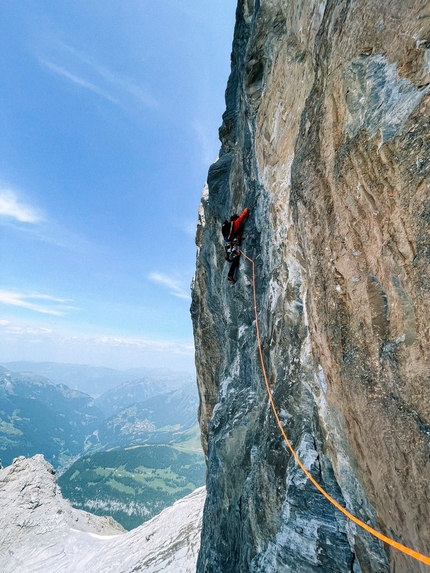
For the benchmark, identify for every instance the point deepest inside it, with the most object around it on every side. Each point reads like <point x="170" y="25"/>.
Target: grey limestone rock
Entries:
<point x="325" y="139"/>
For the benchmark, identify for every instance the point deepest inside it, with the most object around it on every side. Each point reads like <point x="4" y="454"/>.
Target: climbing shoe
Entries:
<point x="231" y="279"/>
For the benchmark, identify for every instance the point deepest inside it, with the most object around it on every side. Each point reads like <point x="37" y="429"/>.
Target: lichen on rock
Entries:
<point x="326" y="140"/>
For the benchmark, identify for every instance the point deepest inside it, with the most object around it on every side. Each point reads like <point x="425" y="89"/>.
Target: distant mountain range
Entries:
<point x="161" y="419"/>
<point x="129" y="453"/>
<point x="132" y="392"/>
<point x="133" y="482"/>
<point x="37" y="416"/>
<point x="95" y="380"/>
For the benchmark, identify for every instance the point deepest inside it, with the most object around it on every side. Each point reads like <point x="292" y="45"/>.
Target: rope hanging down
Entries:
<point x="384" y="538"/>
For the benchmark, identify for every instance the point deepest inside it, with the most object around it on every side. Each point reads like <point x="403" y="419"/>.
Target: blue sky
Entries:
<point x="109" y="116"/>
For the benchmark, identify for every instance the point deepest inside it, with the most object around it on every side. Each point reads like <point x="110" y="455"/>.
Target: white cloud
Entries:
<point x="24" y="340"/>
<point x="174" y="286"/>
<point x="25" y="301"/>
<point x="79" y="81"/>
<point x="118" y="81"/>
<point x="10" y="206"/>
<point x="13" y="327"/>
<point x="115" y="83"/>
<point x="10" y="328"/>
<point x="37" y="225"/>
<point x="144" y="343"/>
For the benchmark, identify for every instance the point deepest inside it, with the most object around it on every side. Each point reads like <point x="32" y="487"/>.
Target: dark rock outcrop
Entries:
<point x="326" y="139"/>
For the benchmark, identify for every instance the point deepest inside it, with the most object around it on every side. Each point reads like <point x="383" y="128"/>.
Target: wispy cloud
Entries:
<point x="54" y="306"/>
<point x="33" y="223"/>
<point x="175" y="287"/>
<point x="145" y="343"/>
<point x="124" y="83"/>
<point x="23" y="340"/>
<point x="79" y="81"/>
<point x="14" y="327"/>
<point x="12" y="207"/>
<point x="8" y="327"/>
<point x="116" y="87"/>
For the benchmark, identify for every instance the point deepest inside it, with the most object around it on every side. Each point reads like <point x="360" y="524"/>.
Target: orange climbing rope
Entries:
<point x="384" y="538"/>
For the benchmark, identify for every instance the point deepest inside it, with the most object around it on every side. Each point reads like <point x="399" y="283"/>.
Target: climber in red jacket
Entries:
<point x="232" y="233"/>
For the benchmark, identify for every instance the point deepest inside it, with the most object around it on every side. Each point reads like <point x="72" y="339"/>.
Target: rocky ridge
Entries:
<point x="326" y="139"/>
<point x="40" y="531"/>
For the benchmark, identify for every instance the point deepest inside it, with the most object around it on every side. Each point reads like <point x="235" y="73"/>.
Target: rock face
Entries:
<point x="326" y="139"/>
<point x="41" y="532"/>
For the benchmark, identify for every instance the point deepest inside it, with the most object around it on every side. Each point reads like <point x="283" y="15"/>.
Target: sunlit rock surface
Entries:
<point x="41" y="532"/>
<point x="326" y="140"/>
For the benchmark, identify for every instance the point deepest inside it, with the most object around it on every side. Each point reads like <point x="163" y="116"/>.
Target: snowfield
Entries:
<point x="42" y="532"/>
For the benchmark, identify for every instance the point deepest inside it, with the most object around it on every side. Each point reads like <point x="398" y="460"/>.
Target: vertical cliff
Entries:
<point x="326" y="139"/>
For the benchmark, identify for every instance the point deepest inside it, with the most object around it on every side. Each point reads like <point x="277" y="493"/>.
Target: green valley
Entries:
<point x="131" y="453"/>
<point x="133" y="484"/>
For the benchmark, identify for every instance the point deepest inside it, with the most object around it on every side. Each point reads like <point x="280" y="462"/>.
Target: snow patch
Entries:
<point x="40" y="532"/>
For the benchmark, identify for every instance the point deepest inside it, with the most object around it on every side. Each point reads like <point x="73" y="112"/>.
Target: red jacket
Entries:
<point x="237" y="223"/>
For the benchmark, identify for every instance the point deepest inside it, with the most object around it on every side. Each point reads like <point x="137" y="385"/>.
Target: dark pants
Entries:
<point x="234" y="265"/>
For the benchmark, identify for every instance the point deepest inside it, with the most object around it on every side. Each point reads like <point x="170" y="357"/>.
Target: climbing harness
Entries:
<point x="384" y="538"/>
<point x="231" y="249"/>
